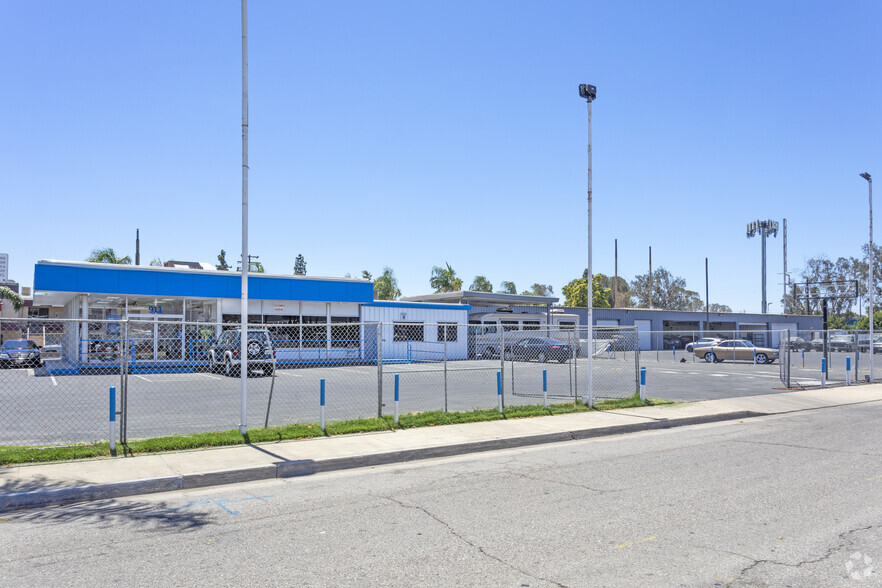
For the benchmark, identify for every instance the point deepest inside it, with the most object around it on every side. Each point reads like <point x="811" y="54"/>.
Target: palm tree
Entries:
<point x="108" y="255"/>
<point x="445" y="280"/>
<point x="508" y="288"/>
<point x="481" y="284"/>
<point x="386" y="286"/>
<point x="12" y="296"/>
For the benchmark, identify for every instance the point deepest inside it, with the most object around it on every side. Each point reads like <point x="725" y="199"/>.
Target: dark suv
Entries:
<point x="20" y="352"/>
<point x="225" y="353"/>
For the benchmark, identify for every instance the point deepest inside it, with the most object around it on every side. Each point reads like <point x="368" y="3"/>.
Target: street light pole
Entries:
<point x="872" y="285"/>
<point x="589" y="93"/>
<point x="243" y="335"/>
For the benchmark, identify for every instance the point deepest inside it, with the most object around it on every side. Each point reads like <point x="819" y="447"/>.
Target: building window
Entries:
<point x="314" y="331"/>
<point x="447" y="332"/>
<point x="407" y="332"/>
<point x="344" y="335"/>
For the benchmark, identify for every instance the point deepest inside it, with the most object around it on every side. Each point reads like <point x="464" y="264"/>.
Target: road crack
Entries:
<point x="471" y="544"/>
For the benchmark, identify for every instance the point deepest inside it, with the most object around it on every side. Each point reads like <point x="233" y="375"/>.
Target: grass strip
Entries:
<point x="12" y="455"/>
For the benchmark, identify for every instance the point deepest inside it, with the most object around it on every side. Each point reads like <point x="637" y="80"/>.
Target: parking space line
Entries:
<point x="31" y="372"/>
<point x="210" y="376"/>
<point x="142" y="377"/>
<point x="54" y="383"/>
<point x="289" y="374"/>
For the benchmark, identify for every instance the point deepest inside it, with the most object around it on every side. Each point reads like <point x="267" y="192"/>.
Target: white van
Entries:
<point x="488" y="331"/>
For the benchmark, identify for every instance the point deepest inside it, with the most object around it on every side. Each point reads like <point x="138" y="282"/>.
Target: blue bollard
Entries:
<point x="643" y="383"/>
<point x="322" y="402"/>
<point x="848" y="371"/>
<point x="499" y="389"/>
<point x="545" y="388"/>
<point x="396" y="399"/>
<point x="823" y="372"/>
<point x="112" y="436"/>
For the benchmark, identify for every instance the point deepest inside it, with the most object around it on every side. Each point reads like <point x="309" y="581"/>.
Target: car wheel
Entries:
<point x="509" y="356"/>
<point x="709" y="357"/>
<point x="540" y="357"/>
<point x="491" y="353"/>
<point x="762" y="358"/>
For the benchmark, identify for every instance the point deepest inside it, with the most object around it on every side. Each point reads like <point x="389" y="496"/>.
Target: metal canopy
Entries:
<point x="483" y="298"/>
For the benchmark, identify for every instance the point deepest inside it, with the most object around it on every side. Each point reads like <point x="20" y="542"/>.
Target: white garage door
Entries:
<point x="776" y="331"/>
<point x="644" y="334"/>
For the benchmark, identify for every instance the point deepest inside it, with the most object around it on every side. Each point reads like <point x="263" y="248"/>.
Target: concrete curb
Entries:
<point x="289" y="469"/>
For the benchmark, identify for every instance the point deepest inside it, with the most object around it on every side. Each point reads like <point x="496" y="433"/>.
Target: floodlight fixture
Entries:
<point x="867" y="176"/>
<point x="588" y="92"/>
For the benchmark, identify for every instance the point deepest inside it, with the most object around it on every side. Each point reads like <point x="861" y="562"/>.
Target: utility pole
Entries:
<point x="589" y="93"/>
<point x="764" y="229"/>
<point x="616" y="277"/>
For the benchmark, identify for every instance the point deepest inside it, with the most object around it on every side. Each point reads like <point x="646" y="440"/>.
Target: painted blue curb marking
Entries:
<point x="643" y="376"/>
<point x="112" y="403"/>
<point x="208" y="501"/>
<point x="396" y="387"/>
<point x="323" y="392"/>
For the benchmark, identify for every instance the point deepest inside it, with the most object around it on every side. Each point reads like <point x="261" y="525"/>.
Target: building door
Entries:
<point x="154" y="337"/>
<point x="644" y="334"/>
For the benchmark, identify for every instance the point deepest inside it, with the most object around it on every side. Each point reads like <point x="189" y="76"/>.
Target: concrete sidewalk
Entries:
<point x="57" y="483"/>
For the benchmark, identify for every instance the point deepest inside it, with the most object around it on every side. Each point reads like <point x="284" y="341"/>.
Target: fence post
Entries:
<point x="575" y="338"/>
<point x="501" y="373"/>
<point x="545" y="389"/>
<point x="113" y="420"/>
<point x="643" y="384"/>
<point x="499" y="389"/>
<point x="803" y="357"/>
<point x="379" y="370"/>
<point x="848" y="371"/>
<point x="396" y="400"/>
<point x="823" y="372"/>
<point x="124" y="386"/>
<point x="322" y="405"/>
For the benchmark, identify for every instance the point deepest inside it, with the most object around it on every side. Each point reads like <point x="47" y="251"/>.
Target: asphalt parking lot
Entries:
<point x="38" y="407"/>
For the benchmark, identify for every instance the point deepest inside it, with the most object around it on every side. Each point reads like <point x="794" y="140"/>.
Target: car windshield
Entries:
<point x="15" y="344"/>
<point x="841" y="338"/>
<point x="748" y="344"/>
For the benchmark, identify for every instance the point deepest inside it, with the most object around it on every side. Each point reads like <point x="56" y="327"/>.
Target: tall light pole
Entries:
<point x="764" y="228"/>
<point x="243" y="335"/>
<point x="589" y="93"/>
<point x="871" y="285"/>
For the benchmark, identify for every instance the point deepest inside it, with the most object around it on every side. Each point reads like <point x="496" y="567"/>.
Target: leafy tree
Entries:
<point x="299" y="265"/>
<point x="623" y="291"/>
<point x="714" y="307"/>
<point x="576" y="294"/>
<point x="445" y="280"/>
<point x="156" y="262"/>
<point x="366" y="275"/>
<point x="668" y="292"/>
<point x="386" y="286"/>
<point x="863" y="323"/>
<point x="539" y="290"/>
<point x="9" y="294"/>
<point x="108" y="255"/>
<point x="508" y="288"/>
<point x="222" y="264"/>
<point x="481" y="284"/>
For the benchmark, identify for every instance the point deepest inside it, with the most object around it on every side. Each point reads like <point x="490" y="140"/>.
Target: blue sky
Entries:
<point x="410" y="134"/>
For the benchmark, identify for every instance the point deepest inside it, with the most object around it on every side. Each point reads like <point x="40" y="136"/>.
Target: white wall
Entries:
<point x="430" y="317"/>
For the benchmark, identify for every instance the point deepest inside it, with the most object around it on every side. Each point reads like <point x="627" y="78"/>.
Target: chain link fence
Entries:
<point x="176" y="377"/>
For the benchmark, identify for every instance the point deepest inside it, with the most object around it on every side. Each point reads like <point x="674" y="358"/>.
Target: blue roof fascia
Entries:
<point x="427" y="306"/>
<point x="196" y="284"/>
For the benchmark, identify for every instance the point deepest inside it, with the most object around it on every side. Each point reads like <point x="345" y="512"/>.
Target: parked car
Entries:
<point x="841" y="343"/>
<point x="20" y="352"/>
<point x="703" y="342"/>
<point x="864" y="344"/>
<point x="671" y="340"/>
<point x="541" y="349"/>
<point x="737" y="349"/>
<point x="818" y="344"/>
<point x="225" y="353"/>
<point x="799" y="344"/>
